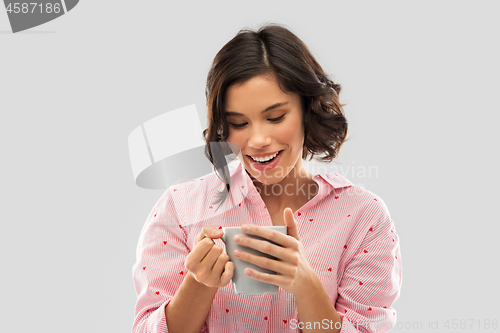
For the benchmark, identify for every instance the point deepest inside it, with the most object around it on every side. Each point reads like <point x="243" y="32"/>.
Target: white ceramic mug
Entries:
<point x="242" y="283"/>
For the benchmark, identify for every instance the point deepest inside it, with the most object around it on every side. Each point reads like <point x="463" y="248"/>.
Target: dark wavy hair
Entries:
<point x="273" y="50"/>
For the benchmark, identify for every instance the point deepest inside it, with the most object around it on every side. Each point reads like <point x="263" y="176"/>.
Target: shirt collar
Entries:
<point x="335" y="180"/>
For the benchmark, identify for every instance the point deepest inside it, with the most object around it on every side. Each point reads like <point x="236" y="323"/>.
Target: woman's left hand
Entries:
<point x="293" y="272"/>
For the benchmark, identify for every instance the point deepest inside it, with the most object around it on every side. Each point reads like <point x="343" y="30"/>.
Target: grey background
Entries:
<point x="420" y="81"/>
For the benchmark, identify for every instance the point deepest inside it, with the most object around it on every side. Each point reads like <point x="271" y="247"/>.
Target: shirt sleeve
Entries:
<point x="159" y="268"/>
<point x="372" y="279"/>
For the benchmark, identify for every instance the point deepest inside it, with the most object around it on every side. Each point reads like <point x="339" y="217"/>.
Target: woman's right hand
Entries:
<point x="206" y="262"/>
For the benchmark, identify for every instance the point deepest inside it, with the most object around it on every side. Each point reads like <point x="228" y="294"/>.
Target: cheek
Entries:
<point x="292" y="133"/>
<point x="238" y="140"/>
<point x="231" y="136"/>
<point x="285" y="135"/>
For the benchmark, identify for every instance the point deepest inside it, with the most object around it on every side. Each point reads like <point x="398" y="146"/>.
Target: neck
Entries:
<point x="297" y="187"/>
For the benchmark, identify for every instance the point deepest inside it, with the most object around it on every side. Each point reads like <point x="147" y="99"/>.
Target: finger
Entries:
<point x="279" y="252"/>
<point x="228" y="273"/>
<point x="281" y="267"/>
<point x="211" y="232"/>
<point x="201" y="250"/>
<point x="210" y="259"/>
<point x="264" y="277"/>
<point x="218" y="267"/>
<point x="268" y="234"/>
<point x="290" y="223"/>
<point x="208" y="231"/>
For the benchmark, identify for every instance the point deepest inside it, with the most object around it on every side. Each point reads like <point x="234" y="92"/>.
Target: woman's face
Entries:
<point x="264" y="120"/>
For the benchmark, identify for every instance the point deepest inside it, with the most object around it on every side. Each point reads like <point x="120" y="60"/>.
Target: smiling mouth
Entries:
<point x="267" y="162"/>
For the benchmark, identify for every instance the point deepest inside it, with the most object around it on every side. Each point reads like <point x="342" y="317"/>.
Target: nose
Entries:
<point x="259" y="138"/>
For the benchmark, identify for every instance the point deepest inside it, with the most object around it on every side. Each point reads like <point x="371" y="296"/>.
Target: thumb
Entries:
<point x="290" y="223"/>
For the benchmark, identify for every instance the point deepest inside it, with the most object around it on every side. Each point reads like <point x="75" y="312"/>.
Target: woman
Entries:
<point x="339" y="266"/>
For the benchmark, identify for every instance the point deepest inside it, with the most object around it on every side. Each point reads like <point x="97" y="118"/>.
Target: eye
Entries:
<point x="238" y="125"/>
<point x="277" y="120"/>
<point x="274" y="120"/>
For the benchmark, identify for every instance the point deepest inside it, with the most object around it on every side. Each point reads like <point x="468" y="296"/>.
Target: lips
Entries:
<point x="264" y="155"/>
<point x="265" y="167"/>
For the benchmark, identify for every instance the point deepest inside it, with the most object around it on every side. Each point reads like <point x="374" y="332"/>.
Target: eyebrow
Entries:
<point x="269" y="108"/>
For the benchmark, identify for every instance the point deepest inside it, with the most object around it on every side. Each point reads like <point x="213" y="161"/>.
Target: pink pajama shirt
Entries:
<point x="348" y="235"/>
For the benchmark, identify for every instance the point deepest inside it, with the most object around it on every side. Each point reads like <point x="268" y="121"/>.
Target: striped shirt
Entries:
<point x="349" y="239"/>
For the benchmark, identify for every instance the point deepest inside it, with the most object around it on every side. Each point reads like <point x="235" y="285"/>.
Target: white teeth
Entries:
<point x="263" y="159"/>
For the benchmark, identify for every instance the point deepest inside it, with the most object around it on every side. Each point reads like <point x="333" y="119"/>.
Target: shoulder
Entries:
<point x="354" y="195"/>
<point x="196" y="188"/>
<point x="192" y="199"/>
<point x="370" y="215"/>
<point x="363" y="208"/>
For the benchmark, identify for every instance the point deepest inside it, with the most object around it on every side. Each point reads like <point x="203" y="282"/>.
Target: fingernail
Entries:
<point x="237" y="253"/>
<point x="237" y="238"/>
<point x="244" y="227"/>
